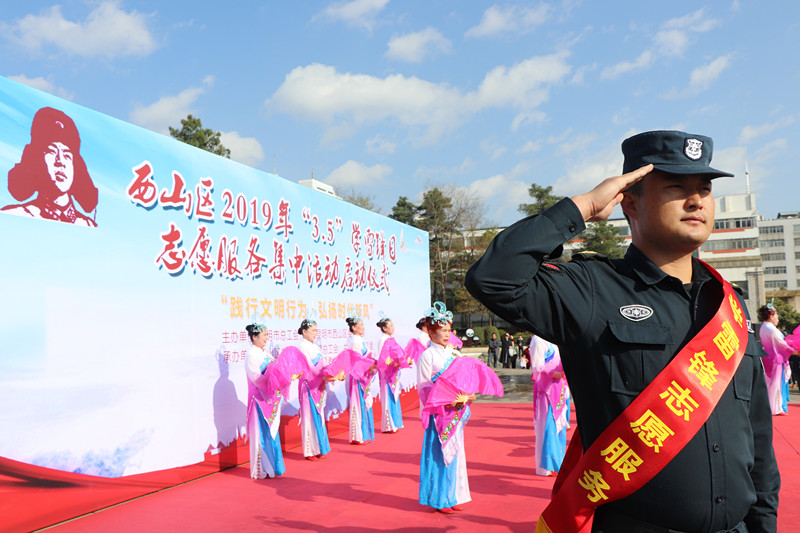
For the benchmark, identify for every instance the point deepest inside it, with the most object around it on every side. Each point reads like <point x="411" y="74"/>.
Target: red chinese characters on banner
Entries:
<point x="208" y="254"/>
<point x="200" y="255"/>
<point x="172" y="257"/>
<point x="255" y="262"/>
<point x="178" y="197"/>
<point x="205" y="202"/>
<point x="278" y="269"/>
<point x="227" y="260"/>
<point x="283" y="225"/>
<point x="355" y="238"/>
<point x="142" y="189"/>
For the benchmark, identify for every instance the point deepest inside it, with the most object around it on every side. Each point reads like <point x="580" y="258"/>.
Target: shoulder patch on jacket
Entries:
<point x="593" y="256"/>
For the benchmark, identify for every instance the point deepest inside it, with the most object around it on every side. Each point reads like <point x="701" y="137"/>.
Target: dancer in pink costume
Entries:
<point x="776" y="362"/>
<point x="268" y="382"/>
<point x="550" y="406"/>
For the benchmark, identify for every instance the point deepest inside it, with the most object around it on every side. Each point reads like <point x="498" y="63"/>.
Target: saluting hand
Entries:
<point x="598" y="203"/>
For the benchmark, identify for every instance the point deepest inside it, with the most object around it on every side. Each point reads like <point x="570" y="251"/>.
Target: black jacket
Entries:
<point x="727" y="473"/>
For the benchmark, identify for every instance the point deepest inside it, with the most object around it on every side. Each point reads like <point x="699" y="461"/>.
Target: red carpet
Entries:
<point x="374" y="487"/>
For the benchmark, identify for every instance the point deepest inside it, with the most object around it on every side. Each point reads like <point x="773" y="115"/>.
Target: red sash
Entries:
<point x="651" y="431"/>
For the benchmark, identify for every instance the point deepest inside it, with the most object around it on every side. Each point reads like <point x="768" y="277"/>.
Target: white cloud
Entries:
<point x="430" y="174"/>
<point x="644" y="60"/>
<point x="346" y="101"/>
<point x="585" y="174"/>
<point x="672" y="40"/>
<point x="528" y="147"/>
<point x="43" y="85"/>
<point x="169" y="110"/>
<point x="415" y="46"/>
<point x="512" y="19"/>
<point x="355" y="174"/>
<point x="572" y="144"/>
<point x="502" y="193"/>
<point x="357" y="13"/>
<point x="245" y="150"/>
<point x="702" y="77"/>
<point x="524" y="84"/>
<point x="379" y="145"/>
<point x="107" y="32"/>
<point x="491" y="147"/>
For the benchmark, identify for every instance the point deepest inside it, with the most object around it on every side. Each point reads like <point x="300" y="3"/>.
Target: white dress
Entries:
<point x="391" y="413"/>
<point x="438" y="488"/>
<point x="266" y="458"/>
<point x="313" y="433"/>
<point x="362" y="427"/>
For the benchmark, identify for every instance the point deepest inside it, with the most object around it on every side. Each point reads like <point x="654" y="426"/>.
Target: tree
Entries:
<point x="603" y="238"/>
<point x="362" y="200"/>
<point x="444" y="213"/>
<point x="465" y="303"/>
<point x="192" y="132"/>
<point x="404" y="211"/>
<point x="788" y="316"/>
<point x="543" y="200"/>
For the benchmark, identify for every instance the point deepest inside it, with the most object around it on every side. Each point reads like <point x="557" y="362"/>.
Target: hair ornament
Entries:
<point x="439" y="314"/>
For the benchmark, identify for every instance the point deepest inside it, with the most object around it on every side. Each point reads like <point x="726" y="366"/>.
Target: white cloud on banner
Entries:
<point x="357" y="13"/>
<point x="512" y="19"/>
<point x="245" y="150"/>
<point x="413" y="47"/>
<point x="107" y="32"/>
<point x="169" y="110"/>
<point x="43" y="85"/>
<point x="355" y="174"/>
<point x="321" y="93"/>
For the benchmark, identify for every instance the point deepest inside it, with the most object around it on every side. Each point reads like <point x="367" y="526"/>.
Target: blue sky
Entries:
<point x="387" y="98"/>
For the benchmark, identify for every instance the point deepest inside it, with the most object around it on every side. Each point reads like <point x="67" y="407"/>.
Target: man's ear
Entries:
<point x="630" y="205"/>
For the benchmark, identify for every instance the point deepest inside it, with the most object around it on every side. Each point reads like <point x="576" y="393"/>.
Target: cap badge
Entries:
<point x="693" y="149"/>
<point x="636" y="312"/>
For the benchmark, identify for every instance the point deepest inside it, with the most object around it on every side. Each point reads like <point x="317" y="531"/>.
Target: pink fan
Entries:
<point x="353" y="363"/>
<point x="465" y="374"/>
<point x="793" y="339"/>
<point x="278" y="375"/>
<point x="392" y="350"/>
<point x="455" y="342"/>
<point x="414" y="349"/>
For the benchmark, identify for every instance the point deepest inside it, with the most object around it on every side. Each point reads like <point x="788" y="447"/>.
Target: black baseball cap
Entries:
<point x="673" y="152"/>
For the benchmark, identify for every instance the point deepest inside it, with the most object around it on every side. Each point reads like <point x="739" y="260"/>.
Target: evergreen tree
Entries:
<point x="603" y="238"/>
<point x="404" y="211"/>
<point x="543" y="200"/>
<point x="192" y="132"/>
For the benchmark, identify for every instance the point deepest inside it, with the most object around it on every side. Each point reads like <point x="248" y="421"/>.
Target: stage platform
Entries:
<point x="374" y="487"/>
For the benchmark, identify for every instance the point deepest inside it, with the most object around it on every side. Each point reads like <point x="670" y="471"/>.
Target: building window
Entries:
<point x="775" y="270"/>
<point x="779" y="284"/>
<point x="730" y="223"/>
<point x="797" y="229"/>
<point x="797" y="242"/>
<point x="729" y="244"/>
<point x="772" y="243"/>
<point x="797" y="255"/>
<point x="770" y="229"/>
<point x="798" y="269"/>
<point x="774" y="257"/>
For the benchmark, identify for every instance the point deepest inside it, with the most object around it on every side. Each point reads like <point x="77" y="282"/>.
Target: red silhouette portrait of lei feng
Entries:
<point x="52" y="168"/>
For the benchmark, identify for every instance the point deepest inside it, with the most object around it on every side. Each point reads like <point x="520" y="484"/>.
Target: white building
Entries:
<point x="319" y="186"/>
<point x="779" y="240"/>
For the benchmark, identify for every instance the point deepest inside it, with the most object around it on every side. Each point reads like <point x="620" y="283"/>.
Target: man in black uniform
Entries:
<point x="620" y="322"/>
